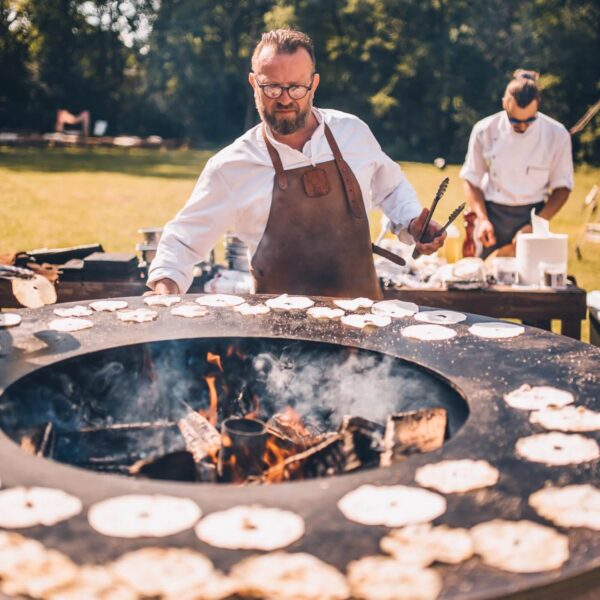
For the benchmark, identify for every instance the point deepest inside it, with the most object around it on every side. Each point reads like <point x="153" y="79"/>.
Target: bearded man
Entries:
<point x="296" y="189"/>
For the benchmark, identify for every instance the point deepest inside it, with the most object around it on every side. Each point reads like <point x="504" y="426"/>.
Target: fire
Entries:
<point x="214" y="359"/>
<point x="212" y="390"/>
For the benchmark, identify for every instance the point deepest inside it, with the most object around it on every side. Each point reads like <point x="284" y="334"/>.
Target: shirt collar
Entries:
<point x="317" y="134"/>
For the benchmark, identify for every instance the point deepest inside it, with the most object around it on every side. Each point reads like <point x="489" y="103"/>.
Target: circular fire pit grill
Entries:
<point x="480" y="370"/>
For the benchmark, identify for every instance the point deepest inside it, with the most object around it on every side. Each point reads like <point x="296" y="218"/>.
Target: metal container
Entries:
<point x="151" y="235"/>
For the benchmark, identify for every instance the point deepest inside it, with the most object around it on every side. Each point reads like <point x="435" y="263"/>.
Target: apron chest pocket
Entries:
<point x="315" y="183"/>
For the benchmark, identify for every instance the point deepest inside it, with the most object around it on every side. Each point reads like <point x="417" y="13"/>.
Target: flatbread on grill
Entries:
<point x="324" y="312"/>
<point x="16" y="550"/>
<point x="219" y="300"/>
<point x="137" y="515"/>
<point x="9" y="319"/>
<point x="283" y="576"/>
<point x="422" y="545"/>
<point x="440" y="317"/>
<point x="251" y="527"/>
<point x="383" y="578"/>
<point x="567" y="418"/>
<point x="496" y="330"/>
<point x="520" y="546"/>
<point x="529" y="397"/>
<point x="37" y="578"/>
<point x="569" y="506"/>
<point x="190" y="311"/>
<point x="355" y="304"/>
<point x="74" y="311"/>
<point x="138" y="315"/>
<point x="252" y="309"/>
<point x="159" y="300"/>
<point x="108" y="305"/>
<point x="457" y="476"/>
<point x="163" y="571"/>
<point x="34" y="292"/>
<point x="392" y="506"/>
<point x="558" y="448"/>
<point x="429" y="333"/>
<point x="70" y="324"/>
<point x="394" y="308"/>
<point x="360" y="321"/>
<point x="285" y="302"/>
<point x="29" y="506"/>
<point x="93" y="582"/>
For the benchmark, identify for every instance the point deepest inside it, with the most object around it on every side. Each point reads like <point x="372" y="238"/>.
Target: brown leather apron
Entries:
<point x="317" y="240"/>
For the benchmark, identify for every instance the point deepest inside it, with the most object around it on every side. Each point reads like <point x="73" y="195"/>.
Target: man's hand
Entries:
<point x="432" y="241"/>
<point x="485" y="233"/>
<point x="163" y="287"/>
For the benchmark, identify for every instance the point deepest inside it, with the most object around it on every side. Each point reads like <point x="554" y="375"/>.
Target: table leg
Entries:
<point x="571" y="327"/>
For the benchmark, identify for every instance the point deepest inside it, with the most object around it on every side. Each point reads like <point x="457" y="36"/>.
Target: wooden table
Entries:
<point x="535" y="307"/>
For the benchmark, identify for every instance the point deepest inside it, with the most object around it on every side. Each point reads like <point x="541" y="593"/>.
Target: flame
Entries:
<point x="212" y="390"/>
<point x="214" y="359"/>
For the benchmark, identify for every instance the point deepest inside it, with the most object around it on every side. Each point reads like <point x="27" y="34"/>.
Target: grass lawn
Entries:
<point x="63" y="197"/>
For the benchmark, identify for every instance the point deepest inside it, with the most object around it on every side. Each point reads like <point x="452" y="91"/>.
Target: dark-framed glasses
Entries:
<point x="525" y="121"/>
<point x="296" y="92"/>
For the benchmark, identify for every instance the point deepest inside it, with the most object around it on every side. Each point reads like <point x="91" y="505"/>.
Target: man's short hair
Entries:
<point x="523" y="87"/>
<point x="285" y="41"/>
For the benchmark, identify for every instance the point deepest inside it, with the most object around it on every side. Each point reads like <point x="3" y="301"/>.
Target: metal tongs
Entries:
<point x="438" y="196"/>
<point x="10" y="272"/>
<point x="29" y="288"/>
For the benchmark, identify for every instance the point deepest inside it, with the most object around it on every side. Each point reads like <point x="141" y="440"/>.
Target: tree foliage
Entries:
<point x="420" y="72"/>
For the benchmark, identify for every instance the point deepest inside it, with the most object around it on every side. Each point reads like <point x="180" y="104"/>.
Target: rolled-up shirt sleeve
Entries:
<point x="561" y="168"/>
<point x="474" y="167"/>
<point x="392" y="193"/>
<point x="191" y="235"/>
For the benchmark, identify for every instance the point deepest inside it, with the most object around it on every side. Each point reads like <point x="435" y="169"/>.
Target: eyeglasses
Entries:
<point x="524" y="121"/>
<point x="296" y="92"/>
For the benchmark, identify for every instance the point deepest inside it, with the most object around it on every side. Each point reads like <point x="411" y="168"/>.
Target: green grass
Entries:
<point x="64" y="197"/>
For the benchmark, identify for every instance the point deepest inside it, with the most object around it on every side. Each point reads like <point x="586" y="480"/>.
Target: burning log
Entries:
<point x="363" y="442"/>
<point x="411" y="432"/>
<point x="201" y="438"/>
<point x="288" y="424"/>
<point x="242" y="449"/>
<point x="39" y="441"/>
<point x="175" y="466"/>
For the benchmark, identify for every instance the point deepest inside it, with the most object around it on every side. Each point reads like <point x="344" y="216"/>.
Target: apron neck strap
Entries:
<point x="280" y="175"/>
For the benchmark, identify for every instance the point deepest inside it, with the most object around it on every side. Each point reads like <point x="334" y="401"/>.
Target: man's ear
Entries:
<point x="316" y="81"/>
<point x="251" y="79"/>
<point x="505" y="103"/>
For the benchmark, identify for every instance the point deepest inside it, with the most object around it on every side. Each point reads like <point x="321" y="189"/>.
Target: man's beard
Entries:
<point x="283" y="125"/>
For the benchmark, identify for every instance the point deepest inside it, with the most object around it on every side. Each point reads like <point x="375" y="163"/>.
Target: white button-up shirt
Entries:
<point x="235" y="189"/>
<point x="518" y="168"/>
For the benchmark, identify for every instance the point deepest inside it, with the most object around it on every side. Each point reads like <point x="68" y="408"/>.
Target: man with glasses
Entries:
<point x="518" y="159"/>
<point x="296" y="189"/>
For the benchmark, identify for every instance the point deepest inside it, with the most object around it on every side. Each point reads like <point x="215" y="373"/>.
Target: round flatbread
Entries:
<point x="396" y="309"/>
<point x="163" y="571"/>
<point x="219" y="300"/>
<point x="428" y="333"/>
<point x="366" y="320"/>
<point x="29" y="506"/>
<point x="569" y="506"/>
<point x="422" y="545"/>
<point x="93" y="582"/>
<point x="70" y="324"/>
<point x="158" y="300"/>
<point x="497" y="330"/>
<point x="383" y="578"/>
<point x="285" y="302"/>
<point x="251" y="527"/>
<point x="392" y="506"/>
<point x="189" y="311"/>
<point x="324" y="312"/>
<point x="136" y="515"/>
<point x="283" y="576"/>
<point x="457" y="476"/>
<point x="139" y="315"/>
<point x="108" y="305"/>
<point x="252" y="309"/>
<point x="355" y="304"/>
<point x="10" y="319"/>
<point x="538" y="397"/>
<point x="440" y="317"/>
<point x="567" y="418"/>
<point x="35" y="292"/>
<point x="558" y="448"/>
<point x="520" y="546"/>
<point x="74" y="311"/>
<point x="16" y="551"/>
<point x="38" y="577"/>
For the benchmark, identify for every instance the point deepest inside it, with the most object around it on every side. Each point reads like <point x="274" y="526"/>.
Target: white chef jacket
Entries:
<point x="513" y="168"/>
<point x="235" y="189"/>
